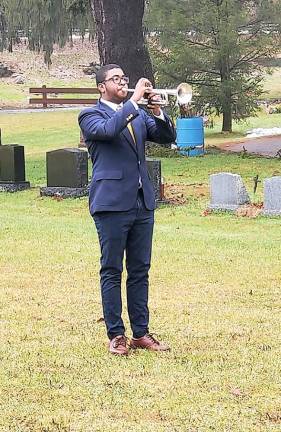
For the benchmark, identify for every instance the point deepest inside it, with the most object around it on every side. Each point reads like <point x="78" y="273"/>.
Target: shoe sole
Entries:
<point x="118" y="354"/>
<point x="149" y="349"/>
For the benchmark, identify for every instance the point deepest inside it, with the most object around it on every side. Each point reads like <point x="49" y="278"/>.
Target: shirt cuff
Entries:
<point x="135" y="104"/>
<point x="160" y="116"/>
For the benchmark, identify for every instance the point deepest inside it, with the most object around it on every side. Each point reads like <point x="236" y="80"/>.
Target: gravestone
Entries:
<point x="67" y="173"/>
<point x="272" y="196"/>
<point x="154" y="172"/>
<point x="227" y="192"/>
<point x="12" y="168"/>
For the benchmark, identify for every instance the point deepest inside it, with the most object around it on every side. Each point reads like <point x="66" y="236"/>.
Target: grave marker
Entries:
<point x="67" y="173"/>
<point x="227" y="192"/>
<point x="272" y="196"/>
<point x="12" y="168"/>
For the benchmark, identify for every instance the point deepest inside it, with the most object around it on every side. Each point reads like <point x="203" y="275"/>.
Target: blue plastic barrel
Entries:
<point x="190" y="136"/>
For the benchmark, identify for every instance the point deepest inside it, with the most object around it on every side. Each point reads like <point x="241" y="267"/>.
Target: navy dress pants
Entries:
<point x="131" y="232"/>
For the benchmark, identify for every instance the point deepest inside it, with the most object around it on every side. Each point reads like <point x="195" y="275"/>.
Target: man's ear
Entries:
<point x="101" y="88"/>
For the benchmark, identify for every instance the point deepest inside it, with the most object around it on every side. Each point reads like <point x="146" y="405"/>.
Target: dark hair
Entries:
<point x="102" y="72"/>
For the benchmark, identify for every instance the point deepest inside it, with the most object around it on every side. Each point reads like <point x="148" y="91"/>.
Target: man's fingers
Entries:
<point x="152" y="94"/>
<point x="153" y="99"/>
<point x="153" y="107"/>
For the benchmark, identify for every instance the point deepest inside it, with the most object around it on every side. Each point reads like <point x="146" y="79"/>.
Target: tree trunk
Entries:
<point x="10" y="46"/>
<point x="226" y="98"/>
<point x="226" y="106"/>
<point x="2" y="30"/>
<point x="71" y="37"/>
<point x="227" y="119"/>
<point x="120" y="36"/>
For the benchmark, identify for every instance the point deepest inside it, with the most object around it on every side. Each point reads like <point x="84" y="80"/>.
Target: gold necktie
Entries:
<point x="131" y="130"/>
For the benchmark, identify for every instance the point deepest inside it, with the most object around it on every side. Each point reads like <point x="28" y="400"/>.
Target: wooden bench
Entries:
<point x="44" y="100"/>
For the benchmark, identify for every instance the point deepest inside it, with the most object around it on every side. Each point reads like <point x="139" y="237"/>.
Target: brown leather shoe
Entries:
<point x="118" y="346"/>
<point x="149" y="342"/>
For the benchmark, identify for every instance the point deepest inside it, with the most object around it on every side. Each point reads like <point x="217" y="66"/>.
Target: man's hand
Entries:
<point x="152" y="104"/>
<point x="144" y="90"/>
<point x="143" y="86"/>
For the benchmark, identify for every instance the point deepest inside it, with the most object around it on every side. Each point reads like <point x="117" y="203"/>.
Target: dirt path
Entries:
<point x="264" y="146"/>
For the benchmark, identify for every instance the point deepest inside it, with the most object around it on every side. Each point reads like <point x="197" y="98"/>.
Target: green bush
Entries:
<point x="156" y="150"/>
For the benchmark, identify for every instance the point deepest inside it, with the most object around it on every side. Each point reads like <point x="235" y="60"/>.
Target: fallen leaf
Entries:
<point x="57" y="198"/>
<point x="273" y="417"/>
<point x="206" y="212"/>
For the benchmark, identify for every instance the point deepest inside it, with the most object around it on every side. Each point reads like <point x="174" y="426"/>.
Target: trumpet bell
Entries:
<point x="184" y="93"/>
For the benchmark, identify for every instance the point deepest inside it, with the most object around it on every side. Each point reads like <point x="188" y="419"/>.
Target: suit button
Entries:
<point x="139" y="162"/>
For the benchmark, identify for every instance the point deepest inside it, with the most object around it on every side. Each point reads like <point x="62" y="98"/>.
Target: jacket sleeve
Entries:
<point x="159" y="131"/>
<point x="96" y="126"/>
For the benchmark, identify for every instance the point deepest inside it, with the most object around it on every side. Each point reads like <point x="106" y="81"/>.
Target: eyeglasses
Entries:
<point x="117" y="79"/>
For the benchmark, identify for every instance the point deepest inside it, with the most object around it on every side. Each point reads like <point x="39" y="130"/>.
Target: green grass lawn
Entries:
<point x="40" y="132"/>
<point x="272" y="86"/>
<point x="214" y="297"/>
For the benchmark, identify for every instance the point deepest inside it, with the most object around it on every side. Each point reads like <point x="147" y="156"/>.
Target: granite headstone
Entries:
<point x="67" y="173"/>
<point x="12" y="168"/>
<point x="227" y="191"/>
<point x="272" y="196"/>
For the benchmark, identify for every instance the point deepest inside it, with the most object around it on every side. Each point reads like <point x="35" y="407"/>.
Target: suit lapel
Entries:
<point x="105" y="109"/>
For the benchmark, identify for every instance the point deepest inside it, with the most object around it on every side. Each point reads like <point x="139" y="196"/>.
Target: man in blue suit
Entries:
<point x="122" y="200"/>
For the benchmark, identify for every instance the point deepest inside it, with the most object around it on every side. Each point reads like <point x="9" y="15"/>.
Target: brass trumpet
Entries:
<point x="183" y="93"/>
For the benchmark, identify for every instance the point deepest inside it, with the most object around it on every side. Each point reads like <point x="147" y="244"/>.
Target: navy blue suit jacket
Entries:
<point x="118" y="162"/>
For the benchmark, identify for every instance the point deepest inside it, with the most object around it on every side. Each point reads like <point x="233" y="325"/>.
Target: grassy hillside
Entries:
<point x="67" y="70"/>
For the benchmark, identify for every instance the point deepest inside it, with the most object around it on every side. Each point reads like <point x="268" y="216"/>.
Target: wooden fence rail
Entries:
<point x="44" y="100"/>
